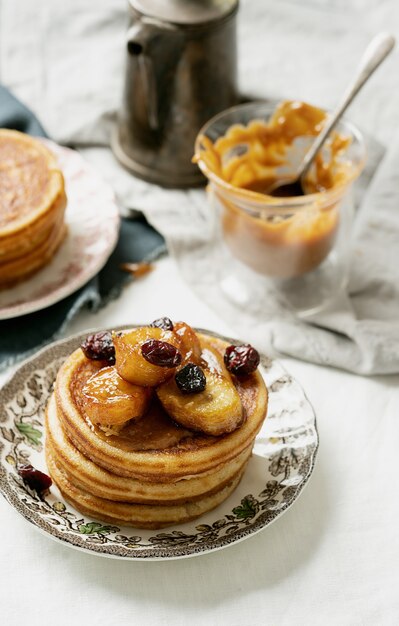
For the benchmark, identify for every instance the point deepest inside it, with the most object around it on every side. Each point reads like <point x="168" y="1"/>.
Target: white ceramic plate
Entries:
<point x="282" y="462"/>
<point x="92" y="218"/>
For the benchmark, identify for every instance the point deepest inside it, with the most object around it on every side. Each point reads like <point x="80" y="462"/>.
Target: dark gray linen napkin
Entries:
<point x="138" y="241"/>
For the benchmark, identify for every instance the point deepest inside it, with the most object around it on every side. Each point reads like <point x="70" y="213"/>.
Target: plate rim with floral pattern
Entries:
<point x="287" y="443"/>
<point x="87" y="246"/>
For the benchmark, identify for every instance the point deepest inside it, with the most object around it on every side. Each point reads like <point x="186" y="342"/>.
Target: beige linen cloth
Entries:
<point x="65" y="60"/>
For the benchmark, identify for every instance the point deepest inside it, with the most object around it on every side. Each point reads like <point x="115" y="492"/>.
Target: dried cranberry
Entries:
<point x="160" y="353"/>
<point x="163" y="322"/>
<point x="241" y="360"/>
<point x="99" y="347"/>
<point x="190" y="379"/>
<point x="35" y="479"/>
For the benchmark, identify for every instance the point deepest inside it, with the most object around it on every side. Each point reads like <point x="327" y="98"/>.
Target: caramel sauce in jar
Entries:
<point x="277" y="237"/>
<point x="283" y="247"/>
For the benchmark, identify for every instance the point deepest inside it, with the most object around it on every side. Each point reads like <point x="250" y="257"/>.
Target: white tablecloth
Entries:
<point x="333" y="558"/>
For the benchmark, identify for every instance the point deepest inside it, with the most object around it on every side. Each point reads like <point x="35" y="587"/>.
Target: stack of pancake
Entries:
<point x="153" y="472"/>
<point x="32" y="206"/>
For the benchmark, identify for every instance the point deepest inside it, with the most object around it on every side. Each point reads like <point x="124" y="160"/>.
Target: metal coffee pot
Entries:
<point x="180" y="71"/>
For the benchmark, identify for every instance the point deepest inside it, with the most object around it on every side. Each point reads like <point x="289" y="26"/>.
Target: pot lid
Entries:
<point x="185" y="12"/>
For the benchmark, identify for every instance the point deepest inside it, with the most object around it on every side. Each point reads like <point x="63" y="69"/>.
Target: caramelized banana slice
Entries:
<point x="190" y="346"/>
<point x="215" y="411"/>
<point x="130" y="362"/>
<point x="110" y="400"/>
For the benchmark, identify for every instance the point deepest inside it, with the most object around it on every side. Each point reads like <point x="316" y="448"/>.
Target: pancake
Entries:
<point x="90" y="477"/>
<point x="138" y="515"/>
<point x="30" y="181"/>
<point x="173" y="452"/>
<point x="152" y="472"/>
<point x="32" y="206"/>
<point x="17" y="270"/>
<point x="22" y="242"/>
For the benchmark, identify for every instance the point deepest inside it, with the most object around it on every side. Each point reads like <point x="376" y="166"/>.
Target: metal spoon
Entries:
<point x="377" y="50"/>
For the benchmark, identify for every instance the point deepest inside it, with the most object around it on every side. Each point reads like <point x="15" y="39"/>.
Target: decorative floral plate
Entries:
<point x="281" y="464"/>
<point x="92" y="218"/>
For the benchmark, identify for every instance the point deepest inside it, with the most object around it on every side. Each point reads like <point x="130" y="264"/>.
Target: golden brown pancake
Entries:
<point x="22" y="242"/>
<point x="153" y="472"/>
<point x="32" y="206"/>
<point x="139" y="515"/>
<point x="100" y="482"/>
<point x="154" y="448"/>
<point x="16" y="270"/>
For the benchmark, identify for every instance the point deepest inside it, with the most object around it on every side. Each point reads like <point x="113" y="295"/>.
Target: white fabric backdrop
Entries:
<point x="66" y="61"/>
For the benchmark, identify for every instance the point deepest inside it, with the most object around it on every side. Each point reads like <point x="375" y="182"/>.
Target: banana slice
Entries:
<point x="109" y="400"/>
<point x="215" y="411"/>
<point x="131" y="364"/>
<point x="190" y="346"/>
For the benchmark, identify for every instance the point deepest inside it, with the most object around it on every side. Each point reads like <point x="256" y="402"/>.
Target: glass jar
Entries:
<point x="294" y="249"/>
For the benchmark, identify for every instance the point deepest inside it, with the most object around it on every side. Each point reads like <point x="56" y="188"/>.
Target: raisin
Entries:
<point x="190" y="379"/>
<point x="163" y="322"/>
<point x="161" y="353"/>
<point x="241" y="360"/>
<point x="34" y="479"/>
<point x="99" y="347"/>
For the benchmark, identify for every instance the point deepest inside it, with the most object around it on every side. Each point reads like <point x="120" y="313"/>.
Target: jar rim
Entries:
<point x="256" y="200"/>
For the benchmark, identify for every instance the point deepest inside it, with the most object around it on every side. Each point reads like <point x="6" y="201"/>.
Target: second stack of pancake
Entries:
<point x="32" y="206"/>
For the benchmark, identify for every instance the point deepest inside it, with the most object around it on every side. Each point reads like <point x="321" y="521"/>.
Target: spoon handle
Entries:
<point x="377" y="50"/>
